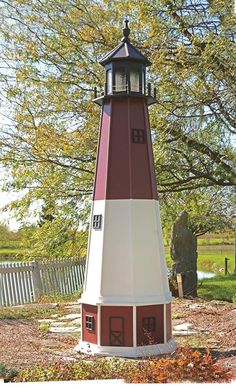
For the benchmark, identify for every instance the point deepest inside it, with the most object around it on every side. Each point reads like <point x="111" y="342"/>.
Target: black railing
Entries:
<point x="126" y="90"/>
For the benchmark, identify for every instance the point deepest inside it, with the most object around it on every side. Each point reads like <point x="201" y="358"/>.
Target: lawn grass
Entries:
<point x="211" y="258"/>
<point x="57" y="298"/>
<point x="11" y="254"/>
<point x="218" y="288"/>
<point x="220" y="240"/>
<point x="215" y="262"/>
<point x="11" y="250"/>
<point x="27" y="313"/>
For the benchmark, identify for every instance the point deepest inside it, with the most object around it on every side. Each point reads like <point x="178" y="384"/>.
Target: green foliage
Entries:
<point x="209" y="209"/>
<point x="219" y="239"/>
<point x="10" y="244"/>
<point x="56" y="238"/>
<point x="218" y="288"/>
<point x="44" y="328"/>
<point x="4" y="231"/>
<point x="185" y="365"/>
<point x="7" y="374"/>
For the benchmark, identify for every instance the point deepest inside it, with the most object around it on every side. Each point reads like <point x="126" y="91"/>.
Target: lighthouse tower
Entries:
<point x="126" y="304"/>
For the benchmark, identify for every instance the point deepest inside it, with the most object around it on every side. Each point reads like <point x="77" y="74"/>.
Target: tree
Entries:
<point x="49" y="66"/>
<point x="4" y="232"/>
<point x="56" y="238"/>
<point x="209" y="210"/>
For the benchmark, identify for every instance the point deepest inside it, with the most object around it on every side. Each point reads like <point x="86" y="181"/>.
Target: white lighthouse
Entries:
<point x="126" y="303"/>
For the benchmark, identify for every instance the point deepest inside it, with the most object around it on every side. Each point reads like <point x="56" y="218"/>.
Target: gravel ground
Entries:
<point x="23" y="344"/>
<point x="215" y="323"/>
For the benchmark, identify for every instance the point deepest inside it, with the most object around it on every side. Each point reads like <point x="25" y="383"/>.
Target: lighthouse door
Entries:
<point x="116" y="326"/>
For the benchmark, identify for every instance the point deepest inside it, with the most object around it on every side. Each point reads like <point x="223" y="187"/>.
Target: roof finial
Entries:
<point x="126" y="31"/>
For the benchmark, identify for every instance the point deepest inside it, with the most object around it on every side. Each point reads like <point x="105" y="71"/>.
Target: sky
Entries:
<point x="6" y="198"/>
<point x="6" y="217"/>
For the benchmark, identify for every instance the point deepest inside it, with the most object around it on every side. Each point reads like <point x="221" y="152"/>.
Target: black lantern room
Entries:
<point x="125" y="68"/>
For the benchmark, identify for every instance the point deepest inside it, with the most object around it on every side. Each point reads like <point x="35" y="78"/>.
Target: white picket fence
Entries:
<point x="24" y="282"/>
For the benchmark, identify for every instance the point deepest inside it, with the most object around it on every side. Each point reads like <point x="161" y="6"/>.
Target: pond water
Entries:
<point x="203" y="274"/>
<point x="200" y="274"/>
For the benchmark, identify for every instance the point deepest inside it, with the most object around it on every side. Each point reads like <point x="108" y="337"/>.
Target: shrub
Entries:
<point x="184" y="365"/>
<point x="187" y="366"/>
<point x="7" y="374"/>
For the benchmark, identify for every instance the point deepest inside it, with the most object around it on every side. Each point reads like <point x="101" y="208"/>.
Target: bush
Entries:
<point x="7" y="374"/>
<point x="184" y="365"/>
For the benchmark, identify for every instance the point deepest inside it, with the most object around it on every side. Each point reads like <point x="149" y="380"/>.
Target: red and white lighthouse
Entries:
<point x="126" y="303"/>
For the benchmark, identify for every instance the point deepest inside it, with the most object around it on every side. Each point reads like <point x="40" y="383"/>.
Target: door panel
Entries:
<point x="116" y="331"/>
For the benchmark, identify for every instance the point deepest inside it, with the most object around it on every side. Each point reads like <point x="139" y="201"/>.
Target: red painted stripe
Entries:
<point x="122" y="314"/>
<point x="89" y="335"/>
<point x="125" y="170"/>
<point x="145" y="337"/>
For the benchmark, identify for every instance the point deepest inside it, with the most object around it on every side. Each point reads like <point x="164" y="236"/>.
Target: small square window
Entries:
<point x="149" y="324"/>
<point x="138" y="136"/>
<point x="97" y="222"/>
<point x="89" y="323"/>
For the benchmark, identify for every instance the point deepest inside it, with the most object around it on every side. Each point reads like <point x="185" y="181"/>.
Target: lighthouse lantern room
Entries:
<point x="126" y="303"/>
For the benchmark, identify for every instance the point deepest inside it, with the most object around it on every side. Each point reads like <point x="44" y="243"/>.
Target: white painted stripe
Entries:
<point x="139" y="351"/>
<point x="126" y="263"/>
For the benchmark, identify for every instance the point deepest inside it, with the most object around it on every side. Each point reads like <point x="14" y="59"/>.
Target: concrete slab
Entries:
<point x="70" y="316"/>
<point x="64" y="329"/>
<point x="182" y="327"/>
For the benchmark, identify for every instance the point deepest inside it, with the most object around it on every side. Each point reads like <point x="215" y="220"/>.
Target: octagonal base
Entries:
<point x="128" y="352"/>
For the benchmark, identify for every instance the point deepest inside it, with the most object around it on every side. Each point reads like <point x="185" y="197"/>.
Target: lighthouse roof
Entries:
<point x="125" y="50"/>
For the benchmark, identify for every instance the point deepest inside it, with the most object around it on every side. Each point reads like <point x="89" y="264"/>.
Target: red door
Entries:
<point x="116" y="331"/>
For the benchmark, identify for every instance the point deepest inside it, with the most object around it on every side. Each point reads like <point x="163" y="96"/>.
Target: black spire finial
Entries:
<point x="126" y="31"/>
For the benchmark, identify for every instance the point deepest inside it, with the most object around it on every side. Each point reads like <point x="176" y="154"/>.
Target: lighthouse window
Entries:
<point x="149" y="324"/>
<point x="120" y="79"/>
<point x="138" y="136"/>
<point x="109" y="81"/>
<point x="134" y="80"/>
<point x="89" y="323"/>
<point x="97" y="222"/>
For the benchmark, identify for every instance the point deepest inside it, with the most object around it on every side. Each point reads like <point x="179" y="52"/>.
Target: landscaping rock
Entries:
<point x="76" y="321"/>
<point x="58" y="324"/>
<point x="183" y="253"/>
<point x="69" y="359"/>
<point x="196" y="306"/>
<point x="184" y="333"/>
<point x="70" y="316"/>
<point x="46" y="320"/>
<point x="64" y="329"/>
<point x="36" y="305"/>
<point x="73" y="307"/>
<point x="182" y="327"/>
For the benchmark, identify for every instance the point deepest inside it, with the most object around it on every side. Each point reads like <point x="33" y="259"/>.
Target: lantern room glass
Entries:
<point x="120" y="79"/>
<point x="109" y="81"/>
<point x="134" y="80"/>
